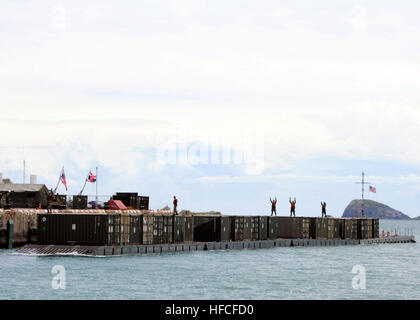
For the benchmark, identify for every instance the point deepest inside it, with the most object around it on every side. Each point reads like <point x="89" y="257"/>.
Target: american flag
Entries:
<point x="63" y="178"/>
<point x="372" y="189"/>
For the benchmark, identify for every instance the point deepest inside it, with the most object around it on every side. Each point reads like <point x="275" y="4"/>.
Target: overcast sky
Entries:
<point x="222" y="103"/>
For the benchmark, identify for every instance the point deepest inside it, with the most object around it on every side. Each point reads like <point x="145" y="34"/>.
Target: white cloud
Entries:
<point x="123" y="78"/>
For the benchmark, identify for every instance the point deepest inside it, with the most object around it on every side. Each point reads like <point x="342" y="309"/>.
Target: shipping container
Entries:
<point x="128" y="198"/>
<point x="369" y="222"/>
<point x="338" y="228"/>
<point x="330" y="228"/>
<point x="125" y="229"/>
<point x="318" y="228"/>
<point x="375" y="228"/>
<point x="303" y="227"/>
<point x="179" y="229"/>
<point x="136" y="229"/>
<point x="148" y="229"/>
<point x="247" y="228"/>
<point x="273" y="223"/>
<point x="237" y="228"/>
<point x="225" y="229"/>
<point x="142" y="203"/>
<point x="114" y="226"/>
<point x="354" y="228"/>
<point x="263" y="228"/>
<point x="168" y="225"/>
<point x="189" y="229"/>
<point x="80" y="202"/>
<point x="255" y="228"/>
<point x="347" y="228"/>
<point x="293" y="227"/>
<point x="82" y="229"/>
<point x="158" y="225"/>
<point x="207" y="228"/>
<point x="362" y="228"/>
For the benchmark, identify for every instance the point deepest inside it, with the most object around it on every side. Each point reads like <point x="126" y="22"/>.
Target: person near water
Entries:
<point x="292" y="207"/>
<point x="324" y="209"/>
<point x="273" y="206"/>
<point x="175" y="205"/>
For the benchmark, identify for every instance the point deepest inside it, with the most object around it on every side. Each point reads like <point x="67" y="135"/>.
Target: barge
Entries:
<point x="100" y="251"/>
<point x="118" y="232"/>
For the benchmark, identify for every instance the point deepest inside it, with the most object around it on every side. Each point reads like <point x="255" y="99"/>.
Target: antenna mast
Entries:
<point x="363" y="192"/>
<point x="24" y="171"/>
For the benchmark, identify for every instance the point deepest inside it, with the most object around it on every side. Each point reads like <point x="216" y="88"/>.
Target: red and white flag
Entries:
<point x="63" y="178"/>
<point x="91" y="177"/>
<point x="372" y="189"/>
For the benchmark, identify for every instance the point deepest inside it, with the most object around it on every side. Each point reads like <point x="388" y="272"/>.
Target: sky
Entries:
<point x="221" y="103"/>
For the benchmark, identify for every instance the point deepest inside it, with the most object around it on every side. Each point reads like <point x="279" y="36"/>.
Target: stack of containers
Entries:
<point x="179" y="229"/>
<point x="318" y="228"/>
<point x="125" y="229"/>
<point x="142" y="203"/>
<point x="255" y="228"/>
<point x="354" y="232"/>
<point x="205" y="228"/>
<point x="347" y="228"/>
<point x="136" y="229"/>
<point x="223" y="228"/>
<point x="148" y="229"/>
<point x="263" y="228"/>
<point x="369" y="228"/>
<point x="330" y="226"/>
<point x="375" y="228"/>
<point x="362" y="228"/>
<point x="247" y="228"/>
<point x="158" y="221"/>
<point x="287" y="227"/>
<point x="273" y="223"/>
<point x="303" y="227"/>
<point x="189" y="229"/>
<point x="168" y="224"/>
<point x="114" y="226"/>
<point x="81" y="229"/>
<point x="338" y="229"/>
<point x="237" y="228"/>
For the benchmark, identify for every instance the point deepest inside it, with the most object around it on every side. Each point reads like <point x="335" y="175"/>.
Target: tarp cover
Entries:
<point x="116" y="205"/>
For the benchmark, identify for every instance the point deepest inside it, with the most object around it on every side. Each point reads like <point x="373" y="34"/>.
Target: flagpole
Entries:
<point x="59" y="177"/>
<point x="81" y="191"/>
<point x="96" y="184"/>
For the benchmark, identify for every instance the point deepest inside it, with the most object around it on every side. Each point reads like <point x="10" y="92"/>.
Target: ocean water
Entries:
<point x="392" y="271"/>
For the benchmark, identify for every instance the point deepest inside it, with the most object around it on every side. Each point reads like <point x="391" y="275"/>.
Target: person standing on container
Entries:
<point x="292" y="207"/>
<point x="324" y="209"/>
<point x="175" y="205"/>
<point x="273" y="206"/>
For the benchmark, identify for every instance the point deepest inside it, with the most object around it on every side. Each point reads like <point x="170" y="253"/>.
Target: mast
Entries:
<point x="96" y="184"/>
<point x="363" y="192"/>
<point x="59" y="178"/>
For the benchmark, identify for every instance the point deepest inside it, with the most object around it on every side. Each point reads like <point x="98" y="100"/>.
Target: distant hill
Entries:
<point x="373" y="209"/>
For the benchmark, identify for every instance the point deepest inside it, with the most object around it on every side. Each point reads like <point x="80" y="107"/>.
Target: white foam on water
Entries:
<point x="58" y="254"/>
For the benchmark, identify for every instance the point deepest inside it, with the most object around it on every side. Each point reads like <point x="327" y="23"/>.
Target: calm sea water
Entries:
<point x="392" y="272"/>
